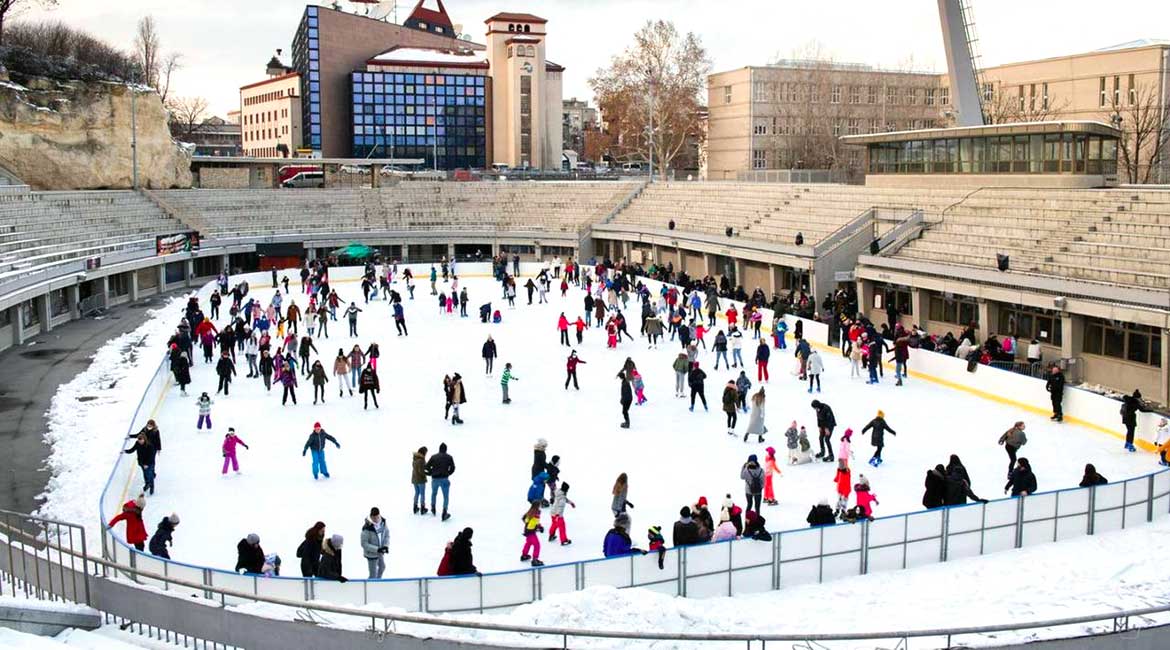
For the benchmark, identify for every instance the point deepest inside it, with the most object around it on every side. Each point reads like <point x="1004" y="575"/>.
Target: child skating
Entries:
<point x="204" y="404"/>
<point x="770" y="468"/>
<point x="505" y="379"/>
<point x="532" y="530"/>
<point x="844" y="481"/>
<point x="230" y="441"/>
<point x="558" y="515"/>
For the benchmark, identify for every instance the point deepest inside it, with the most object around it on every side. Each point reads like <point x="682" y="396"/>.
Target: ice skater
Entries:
<point x="316" y="443"/>
<point x="504" y="379"/>
<point x="204" y="404"/>
<point x="230" y="441"/>
<point x="878" y="428"/>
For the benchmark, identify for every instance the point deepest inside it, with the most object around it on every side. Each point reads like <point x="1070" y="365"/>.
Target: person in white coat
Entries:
<point x="375" y="543"/>
<point x="756" y="425"/>
<point x="814" y="369"/>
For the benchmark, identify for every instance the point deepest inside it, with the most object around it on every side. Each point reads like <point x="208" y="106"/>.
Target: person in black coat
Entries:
<point x="1091" y="477"/>
<point x="627" y="398"/>
<point x="180" y="368"/>
<point x="878" y="429"/>
<point x="162" y="536"/>
<point x="462" y="563"/>
<point x="249" y="555"/>
<point x="539" y="457"/>
<point x="821" y="515"/>
<point x="1131" y="405"/>
<point x="1055" y="388"/>
<point x="695" y="380"/>
<point x="225" y="369"/>
<point x="489" y="354"/>
<point x="826" y="421"/>
<point x="146" y="453"/>
<point x="1022" y="481"/>
<point x="369" y="386"/>
<point x="686" y="531"/>
<point x="958" y="486"/>
<point x="310" y="550"/>
<point x="330" y="567"/>
<point x="936" y="488"/>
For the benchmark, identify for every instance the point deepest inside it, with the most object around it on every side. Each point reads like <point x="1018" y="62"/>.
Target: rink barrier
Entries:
<point x="793" y="557"/>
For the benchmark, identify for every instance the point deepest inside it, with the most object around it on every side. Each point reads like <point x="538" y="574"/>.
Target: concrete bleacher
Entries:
<point x="552" y="207"/>
<point x="42" y="229"/>
<point x="772" y="212"/>
<point x="1116" y="236"/>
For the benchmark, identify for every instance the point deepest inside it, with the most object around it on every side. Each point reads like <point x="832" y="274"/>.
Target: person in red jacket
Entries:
<point x="563" y="326"/>
<point x="205" y="325"/>
<point x="844" y="481"/>
<point x="571" y="370"/>
<point x="580" y="325"/>
<point x="132" y="515"/>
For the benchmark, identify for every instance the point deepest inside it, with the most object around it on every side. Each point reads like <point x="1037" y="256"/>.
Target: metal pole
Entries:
<point x="650" y="134"/>
<point x="134" y="138"/>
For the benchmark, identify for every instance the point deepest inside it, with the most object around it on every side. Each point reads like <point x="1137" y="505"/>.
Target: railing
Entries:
<point x="840" y="235"/>
<point x="901" y="234"/>
<point x="29" y="561"/>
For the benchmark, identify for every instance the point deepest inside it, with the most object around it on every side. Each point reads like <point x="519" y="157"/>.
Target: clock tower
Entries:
<point x="526" y="93"/>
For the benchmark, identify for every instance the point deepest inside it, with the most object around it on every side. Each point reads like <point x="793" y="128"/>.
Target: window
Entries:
<point x="955" y="310"/>
<point x="759" y="159"/>
<point x="835" y="95"/>
<point x="1117" y="91"/>
<point x="875" y="126"/>
<point x="1101" y="93"/>
<point x="1020" y="97"/>
<point x="854" y="127"/>
<point x="814" y="93"/>
<point x="1027" y="323"/>
<point x="871" y="95"/>
<point x="891" y="95"/>
<point x="793" y="92"/>
<point x="912" y="96"/>
<point x="988" y="92"/>
<point x="760" y="92"/>
<point x="1132" y="92"/>
<point x="854" y="94"/>
<point x="885" y="295"/>
<point x="836" y="128"/>
<point x="760" y="128"/>
<point x="1032" y="97"/>
<point x="727" y="94"/>
<point x="929" y="97"/>
<point x="1136" y="343"/>
<point x="944" y="98"/>
<point x="1044" y="97"/>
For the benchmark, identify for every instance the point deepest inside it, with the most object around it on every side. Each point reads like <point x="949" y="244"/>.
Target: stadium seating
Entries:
<point x="553" y="207"/>
<point x="41" y="229"/>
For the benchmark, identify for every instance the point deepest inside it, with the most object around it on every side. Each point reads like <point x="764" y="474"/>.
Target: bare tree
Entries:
<point x="1005" y="107"/>
<point x="1145" y="132"/>
<point x="157" y="68"/>
<point x="657" y="82"/>
<point x="188" y="115"/>
<point x="9" y="9"/>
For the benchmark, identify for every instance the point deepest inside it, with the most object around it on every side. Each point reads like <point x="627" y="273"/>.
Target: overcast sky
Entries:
<point x="225" y="43"/>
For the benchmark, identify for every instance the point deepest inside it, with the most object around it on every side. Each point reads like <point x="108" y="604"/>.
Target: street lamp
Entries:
<point x="652" y="85"/>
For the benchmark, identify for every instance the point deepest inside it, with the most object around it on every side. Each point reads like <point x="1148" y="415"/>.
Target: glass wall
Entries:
<point x="1136" y="343"/>
<point x="406" y="115"/>
<point x="307" y="61"/>
<point x="1051" y="153"/>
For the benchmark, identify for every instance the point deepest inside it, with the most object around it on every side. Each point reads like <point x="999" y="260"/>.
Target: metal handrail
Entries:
<point x="420" y="619"/>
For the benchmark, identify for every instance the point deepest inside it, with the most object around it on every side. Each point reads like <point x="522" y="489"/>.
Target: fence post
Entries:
<point x="730" y="564"/>
<point x="1020" y="521"/>
<point x="864" y="547"/>
<point x="85" y="562"/>
<point x="946" y="527"/>
<point x="1124" y="501"/>
<point x="776" y="561"/>
<point x="1150" y="498"/>
<point x="1092" y="508"/>
<point x="682" y="571"/>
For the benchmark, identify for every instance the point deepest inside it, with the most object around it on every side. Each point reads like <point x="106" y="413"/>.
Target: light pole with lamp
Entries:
<point x="652" y="84"/>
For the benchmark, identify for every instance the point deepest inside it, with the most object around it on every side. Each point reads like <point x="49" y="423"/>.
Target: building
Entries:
<point x="789" y="115"/>
<point x="1127" y="84"/>
<point x="213" y="136"/>
<point x="270" y="113"/>
<point x="577" y="117"/>
<point x="415" y="90"/>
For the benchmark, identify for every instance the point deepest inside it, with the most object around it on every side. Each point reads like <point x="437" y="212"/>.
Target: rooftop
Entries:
<point x="429" y="55"/>
<point x="516" y="18"/>
<point x="1141" y="42"/>
<point x="1015" y="128"/>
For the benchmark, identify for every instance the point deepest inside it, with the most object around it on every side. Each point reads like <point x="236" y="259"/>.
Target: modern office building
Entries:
<point x="416" y="90"/>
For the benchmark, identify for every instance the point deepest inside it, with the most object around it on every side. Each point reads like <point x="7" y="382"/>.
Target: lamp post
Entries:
<point x="134" y="138"/>
<point x="652" y="84"/>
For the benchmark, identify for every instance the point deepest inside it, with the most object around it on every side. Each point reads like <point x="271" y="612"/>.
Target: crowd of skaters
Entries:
<point x="608" y="291"/>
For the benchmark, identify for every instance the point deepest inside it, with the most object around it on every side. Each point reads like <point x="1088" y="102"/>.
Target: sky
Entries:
<point x="226" y="43"/>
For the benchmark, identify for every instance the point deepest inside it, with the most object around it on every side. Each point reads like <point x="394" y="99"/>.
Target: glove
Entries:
<point x="384" y="550"/>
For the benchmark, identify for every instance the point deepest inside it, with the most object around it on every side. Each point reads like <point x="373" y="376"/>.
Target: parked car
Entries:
<point x="306" y="179"/>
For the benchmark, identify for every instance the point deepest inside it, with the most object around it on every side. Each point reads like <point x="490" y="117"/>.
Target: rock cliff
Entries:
<point x="61" y="135"/>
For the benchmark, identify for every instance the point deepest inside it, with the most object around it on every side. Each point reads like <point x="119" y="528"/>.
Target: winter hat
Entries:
<point x="541" y="444"/>
<point x="556" y="459"/>
<point x="684" y="512"/>
<point x="565" y="488"/>
<point x="253" y="539"/>
<point x="751" y="516"/>
<point x="848" y="435"/>
<point x="655" y="531"/>
<point x="816" y="403"/>
<point x="316" y="425"/>
<point x="862" y="480"/>
<point x="702" y="501"/>
<point x="727" y="502"/>
<point x="771" y="451"/>
<point x="140" y="501"/>
<point x="174" y="519"/>
<point x="336" y="540"/>
<point x="753" y="459"/>
<point x="881" y="413"/>
<point x="823" y="502"/>
<point x="622" y="521"/>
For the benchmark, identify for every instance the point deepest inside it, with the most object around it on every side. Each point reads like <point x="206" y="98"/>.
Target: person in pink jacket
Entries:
<point x="229" y="451"/>
<point x="770" y="467"/>
<point x="843" y="451"/>
<point x="865" y="497"/>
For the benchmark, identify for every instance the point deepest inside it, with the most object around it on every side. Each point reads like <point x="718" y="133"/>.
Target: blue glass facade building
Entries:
<point x="307" y="61"/>
<point x="417" y="115"/>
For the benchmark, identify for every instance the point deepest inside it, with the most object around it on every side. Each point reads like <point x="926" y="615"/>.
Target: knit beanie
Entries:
<point x="337" y="540"/>
<point x="684" y="512"/>
<point x="140" y="501"/>
<point x="253" y="539"/>
<point x="174" y="518"/>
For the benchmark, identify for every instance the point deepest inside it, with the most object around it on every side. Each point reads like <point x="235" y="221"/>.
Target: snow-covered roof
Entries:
<point x="1141" y="42"/>
<point x="417" y="54"/>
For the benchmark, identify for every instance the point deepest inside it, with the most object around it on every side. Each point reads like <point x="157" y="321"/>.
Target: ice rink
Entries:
<point x="672" y="456"/>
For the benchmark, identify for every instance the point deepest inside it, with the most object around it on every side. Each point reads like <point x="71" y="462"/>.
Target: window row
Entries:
<point x="421" y="79"/>
<point x="1136" y="343"/>
<point x="1021" y="154"/>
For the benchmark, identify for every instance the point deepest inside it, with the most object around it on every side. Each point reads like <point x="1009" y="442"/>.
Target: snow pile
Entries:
<point x="89" y="415"/>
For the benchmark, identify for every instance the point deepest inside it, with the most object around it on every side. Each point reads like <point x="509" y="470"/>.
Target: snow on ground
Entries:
<point x="88" y="417"/>
<point x="672" y="456"/>
<point x="107" y="637"/>
<point x="21" y="599"/>
<point x="1097" y="575"/>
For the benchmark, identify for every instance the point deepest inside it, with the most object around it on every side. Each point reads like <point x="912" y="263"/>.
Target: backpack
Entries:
<point x="445" y="563"/>
<point x="755" y="483"/>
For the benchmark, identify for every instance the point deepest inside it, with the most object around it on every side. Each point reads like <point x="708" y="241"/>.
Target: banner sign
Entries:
<point x="184" y="242"/>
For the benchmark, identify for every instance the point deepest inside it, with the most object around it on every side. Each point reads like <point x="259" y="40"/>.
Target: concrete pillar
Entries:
<point x="626" y="251"/>
<point x="226" y="263"/>
<point x="1165" y="386"/>
<point x="104" y="288"/>
<point x="919" y="303"/>
<point x="451" y="251"/>
<point x="773" y="287"/>
<point x="311" y="253"/>
<point x="162" y="277"/>
<point x="73" y="296"/>
<point x="375" y="176"/>
<point x="864" y="296"/>
<point x="1072" y="336"/>
<point x="537" y="251"/>
<point x="189" y="271"/>
<point x="991" y="325"/>
<point x="738" y="274"/>
<point x="133" y="286"/>
<point x="984" y="315"/>
<point x="706" y="265"/>
<point x="43" y="305"/>
<point x="16" y="315"/>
